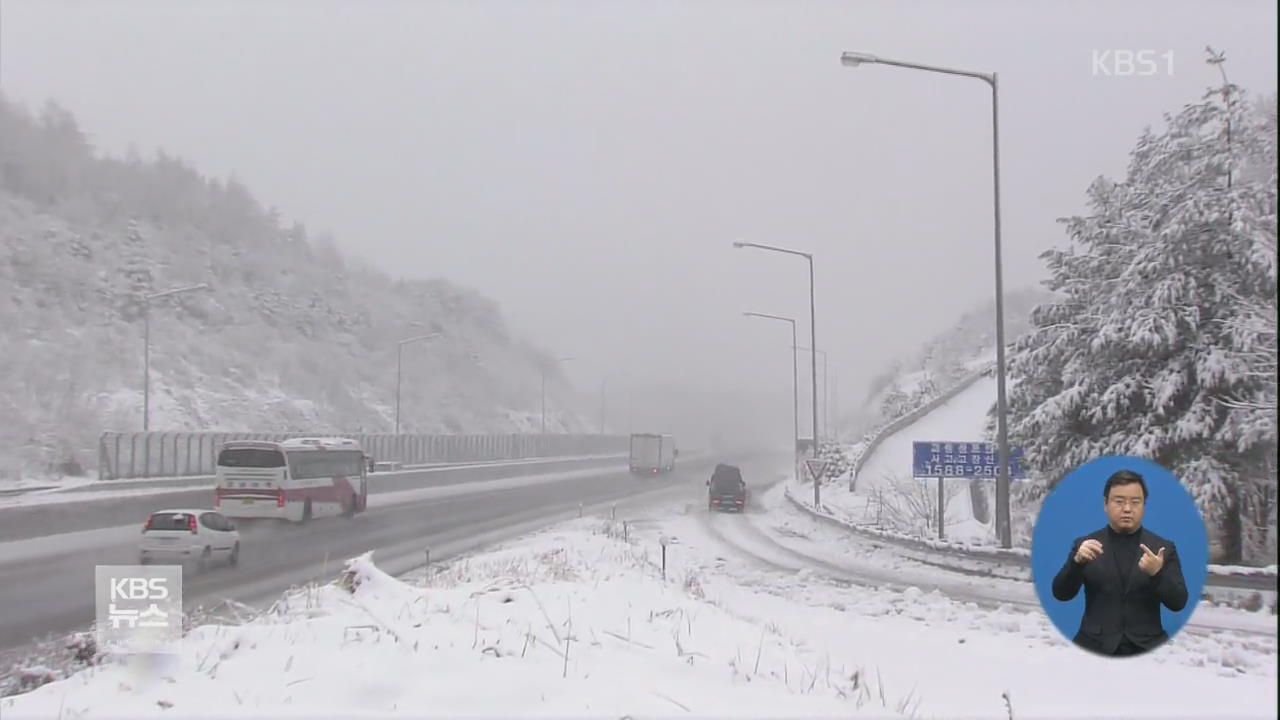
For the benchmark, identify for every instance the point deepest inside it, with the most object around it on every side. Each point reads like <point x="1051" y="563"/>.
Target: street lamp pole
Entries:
<point x="400" y="367"/>
<point x="795" y="378"/>
<point x="835" y="402"/>
<point x="854" y="59"/>
<point x="813" y="340"/>
<point x="146" y="346"/>
<point x="544" y="392"/>
<point x="826" y="394"/>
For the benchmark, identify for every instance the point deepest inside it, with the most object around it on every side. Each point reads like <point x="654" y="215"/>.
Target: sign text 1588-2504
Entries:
<point x="950" y="459"/>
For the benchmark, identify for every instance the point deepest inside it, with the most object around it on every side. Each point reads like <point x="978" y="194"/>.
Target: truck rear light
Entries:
<point x="279" y="498"/>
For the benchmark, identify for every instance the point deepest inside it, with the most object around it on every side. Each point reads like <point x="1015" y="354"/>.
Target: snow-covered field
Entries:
<point x="724" y="634"/>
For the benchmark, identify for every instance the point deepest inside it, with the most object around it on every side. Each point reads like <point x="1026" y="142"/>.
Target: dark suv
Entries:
<point x="726" y="489"/>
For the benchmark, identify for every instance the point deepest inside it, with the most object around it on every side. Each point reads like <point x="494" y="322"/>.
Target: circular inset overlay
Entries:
<point x="1077" y="508"/>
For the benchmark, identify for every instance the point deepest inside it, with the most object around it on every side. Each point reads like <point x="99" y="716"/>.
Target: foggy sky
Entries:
<point x="588" y="164"/>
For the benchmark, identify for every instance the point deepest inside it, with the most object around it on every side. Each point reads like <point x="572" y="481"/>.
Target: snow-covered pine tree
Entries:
<point x="1138" y="357"/>
<point x="136" y="270"/>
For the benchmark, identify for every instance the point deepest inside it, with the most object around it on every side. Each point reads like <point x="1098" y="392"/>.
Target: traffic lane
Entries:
<point x="55" y="595"/>
<point x="187" y="481"/>
<point x="20" y="522"/>
<point x="76" y="540"/>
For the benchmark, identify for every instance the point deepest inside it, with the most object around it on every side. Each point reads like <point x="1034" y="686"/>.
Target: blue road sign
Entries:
<point x="962" y="460"/>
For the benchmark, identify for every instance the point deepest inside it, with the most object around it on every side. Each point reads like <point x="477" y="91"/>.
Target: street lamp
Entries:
<point x="146" y="346"/>
<point x="813" y="341"/>
<point x="400" y="366"/>
<point x="826" y="393"/>
<point x="544" y="392"/>
<point x="855" y="59"/>
<point x="795" y="376"/>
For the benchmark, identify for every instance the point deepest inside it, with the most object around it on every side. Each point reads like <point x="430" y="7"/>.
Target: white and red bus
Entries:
<point x="295" y="480"/>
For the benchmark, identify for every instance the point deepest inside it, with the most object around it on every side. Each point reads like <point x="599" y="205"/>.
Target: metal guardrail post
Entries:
<point x="102" y="456"/>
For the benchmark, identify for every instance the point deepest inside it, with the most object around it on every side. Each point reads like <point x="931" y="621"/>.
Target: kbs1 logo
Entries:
<point x="1132" y="63"/>
<point x="139" y="607"/>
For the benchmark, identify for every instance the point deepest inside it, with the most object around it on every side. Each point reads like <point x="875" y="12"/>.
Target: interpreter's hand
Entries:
<point x="1150" y="563"/>
<point x="1088" y="551"/>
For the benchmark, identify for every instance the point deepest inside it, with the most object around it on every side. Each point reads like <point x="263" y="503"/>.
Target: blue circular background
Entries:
<point x="1075" y="509"/>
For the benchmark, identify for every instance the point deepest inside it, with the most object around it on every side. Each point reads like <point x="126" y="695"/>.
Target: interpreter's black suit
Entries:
<point x="1122" y="603"/>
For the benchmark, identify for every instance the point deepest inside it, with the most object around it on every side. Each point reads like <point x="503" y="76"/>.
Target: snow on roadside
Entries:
<point x="956" y="658"/>
<point x="40" y="483"/>
<point x="484" y="636"/>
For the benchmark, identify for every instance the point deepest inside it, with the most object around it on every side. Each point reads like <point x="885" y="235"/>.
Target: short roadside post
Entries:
<point x="942" y="511"/>
<point x="817" y="470"/>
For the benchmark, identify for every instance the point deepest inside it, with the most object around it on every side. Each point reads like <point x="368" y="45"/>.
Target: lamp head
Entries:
<point x="854" y="59"/>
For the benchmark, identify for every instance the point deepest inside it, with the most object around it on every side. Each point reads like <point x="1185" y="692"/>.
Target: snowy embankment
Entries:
<point x="968" y="579"/>
<point x="575" y="621"/>
<point x="721" y="635"/>
<point x="884" y="484"/>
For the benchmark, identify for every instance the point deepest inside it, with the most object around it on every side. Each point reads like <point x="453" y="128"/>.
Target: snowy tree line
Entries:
<point x="1162" y="343"/>
<point x="293" y="337"/>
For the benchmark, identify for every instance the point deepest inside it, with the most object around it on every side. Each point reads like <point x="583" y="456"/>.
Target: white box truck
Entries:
<point x="652" y="453"/>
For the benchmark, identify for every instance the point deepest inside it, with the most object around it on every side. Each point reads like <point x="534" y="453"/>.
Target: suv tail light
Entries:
<point x="191" y="524"/>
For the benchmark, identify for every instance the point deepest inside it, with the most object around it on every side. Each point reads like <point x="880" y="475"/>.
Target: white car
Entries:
<point x="189" y="536"/>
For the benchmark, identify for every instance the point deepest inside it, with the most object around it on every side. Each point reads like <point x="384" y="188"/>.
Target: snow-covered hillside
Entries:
<point x="292" y="336"/>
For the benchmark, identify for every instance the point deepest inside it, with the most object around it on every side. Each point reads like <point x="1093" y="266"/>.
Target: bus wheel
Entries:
<point x="306" y="511"/>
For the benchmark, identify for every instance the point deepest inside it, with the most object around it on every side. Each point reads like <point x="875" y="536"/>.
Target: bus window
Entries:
<point x="251" y="458"/>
